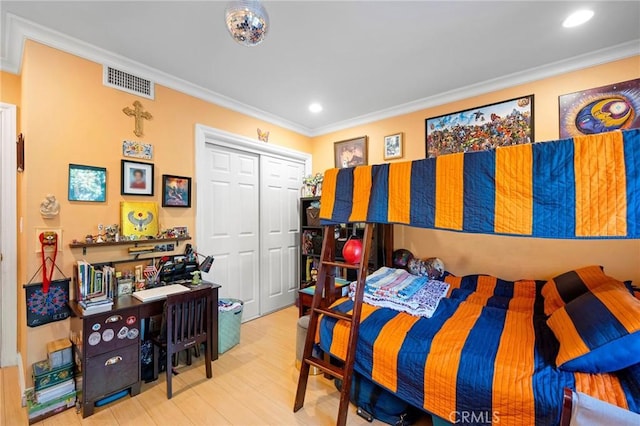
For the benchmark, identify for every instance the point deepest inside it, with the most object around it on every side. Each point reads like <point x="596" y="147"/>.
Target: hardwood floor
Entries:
<point x="253" y="384"/>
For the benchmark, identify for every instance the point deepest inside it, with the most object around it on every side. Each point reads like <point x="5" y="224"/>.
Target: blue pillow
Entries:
<point x="599" y="331"/>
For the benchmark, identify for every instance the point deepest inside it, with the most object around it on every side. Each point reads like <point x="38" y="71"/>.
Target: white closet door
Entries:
<point x="281" y="180"/>
<point x="230" y="204"/>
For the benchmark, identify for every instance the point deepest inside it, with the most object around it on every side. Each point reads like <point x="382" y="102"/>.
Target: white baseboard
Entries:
<point x="21" y="378"/>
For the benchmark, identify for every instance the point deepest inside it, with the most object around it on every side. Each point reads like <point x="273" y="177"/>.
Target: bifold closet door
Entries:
<point x="280" y="182"/>
<point x="231" y="205"/>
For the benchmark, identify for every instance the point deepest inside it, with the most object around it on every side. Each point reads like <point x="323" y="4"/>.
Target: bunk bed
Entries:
<point x="487" y="353"/>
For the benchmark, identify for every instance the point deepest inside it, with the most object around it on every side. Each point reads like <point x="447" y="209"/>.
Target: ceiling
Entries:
<point x="360" y="60"/>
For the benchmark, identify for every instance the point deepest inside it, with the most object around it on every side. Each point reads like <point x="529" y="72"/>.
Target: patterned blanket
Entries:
<point x="399" y="290"/>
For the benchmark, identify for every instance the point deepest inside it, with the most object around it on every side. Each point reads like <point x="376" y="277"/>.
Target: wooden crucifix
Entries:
<point x="138" y="114"/>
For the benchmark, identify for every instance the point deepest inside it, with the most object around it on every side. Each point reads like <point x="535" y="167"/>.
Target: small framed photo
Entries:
<point x="137" y="178"/>
<point x="125" y="286"/>
<point x="350" y="153"/>
<point x="137" y="149"/>
<point x="87" y="183"/>
<point x="393" y="146"/>
<point x="176" y="191"/>
<point x="181" y="231"/>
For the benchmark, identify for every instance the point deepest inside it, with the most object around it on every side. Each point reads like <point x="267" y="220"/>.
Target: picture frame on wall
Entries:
<point x="350" y="152"/>
<point x="137" y="149"/>
<point x="393" y="146"/>
<point x="176" y="191"/>
<point x="87" y="183"/>
<point x="482" y="128"/>
<point x="136" y="178"/>
<point x="600" y="109"/>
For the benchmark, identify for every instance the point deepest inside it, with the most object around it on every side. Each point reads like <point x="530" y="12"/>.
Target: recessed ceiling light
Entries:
<point x="315" y="107"/>
<point x="577" y="18"/>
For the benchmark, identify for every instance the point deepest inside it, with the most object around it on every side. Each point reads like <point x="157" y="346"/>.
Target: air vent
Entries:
<point x="128" y="82"/>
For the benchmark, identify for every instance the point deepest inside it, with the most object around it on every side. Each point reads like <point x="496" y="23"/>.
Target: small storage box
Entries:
<point x="59" y="352"/>
<point x="45" y="376"/>
<point x="313" y="216"/>
<point x="229" y="320"/>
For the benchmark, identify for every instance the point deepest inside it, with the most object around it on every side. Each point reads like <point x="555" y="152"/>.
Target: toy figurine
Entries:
<point x="196" y="277"/>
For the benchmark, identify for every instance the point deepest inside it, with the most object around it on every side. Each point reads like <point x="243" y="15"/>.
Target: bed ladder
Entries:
<point x="322" y="299"/>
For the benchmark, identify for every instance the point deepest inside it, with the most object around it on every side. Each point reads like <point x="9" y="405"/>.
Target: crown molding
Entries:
<point x="18" y="29"/>
<point x="597" y="57"/>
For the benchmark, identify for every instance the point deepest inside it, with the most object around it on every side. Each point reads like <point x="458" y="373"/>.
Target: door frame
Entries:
<point x="9" y="241"/>
<point x="209" y="135"/>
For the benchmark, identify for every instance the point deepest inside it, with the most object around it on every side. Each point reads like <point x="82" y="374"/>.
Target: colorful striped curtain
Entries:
<point x="585" y="187"/>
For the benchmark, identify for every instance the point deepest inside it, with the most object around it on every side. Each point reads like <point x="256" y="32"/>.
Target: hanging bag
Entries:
<point x="47" y="301"/>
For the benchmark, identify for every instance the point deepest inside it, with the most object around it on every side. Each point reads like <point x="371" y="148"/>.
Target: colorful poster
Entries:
<point x="139" y="219"/>
<point x="599" y="110"/>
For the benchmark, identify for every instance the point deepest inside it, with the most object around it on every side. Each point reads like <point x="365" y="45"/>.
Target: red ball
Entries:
<point x="352" y="251"/>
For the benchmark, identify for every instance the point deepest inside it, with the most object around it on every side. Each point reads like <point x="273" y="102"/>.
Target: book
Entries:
<point x="39" y="411"/>
<point x="97" y="308"/>
<point x="49" y="394"/>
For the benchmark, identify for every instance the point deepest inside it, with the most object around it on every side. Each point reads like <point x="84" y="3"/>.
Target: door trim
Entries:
<point x="205" y="134"/>
<point x="9" y="240"/>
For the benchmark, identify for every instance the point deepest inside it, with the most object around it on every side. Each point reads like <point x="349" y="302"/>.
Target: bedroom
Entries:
<point x="93" y="113"/>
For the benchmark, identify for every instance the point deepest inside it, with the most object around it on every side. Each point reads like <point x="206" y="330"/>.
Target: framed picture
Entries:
<point x="483" y="128"/>
<point x="125" y="286"/>
<point x="176" y="191"/>
<point x="87" y="183"/>
<point x="602" y="109"/>
<point x="393" y="146"/>
<point x="137" y="178"/>
<point x="137" y="149"/>
<point x="351" y="153"/>
<point x="139" y="219"/>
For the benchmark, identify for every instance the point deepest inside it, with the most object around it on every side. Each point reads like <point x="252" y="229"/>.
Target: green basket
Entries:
<point x="229" y="326"/>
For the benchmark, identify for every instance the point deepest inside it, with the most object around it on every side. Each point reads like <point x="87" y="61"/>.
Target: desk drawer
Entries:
<point x="111" y="330"/>
<point x="111" y="372"/>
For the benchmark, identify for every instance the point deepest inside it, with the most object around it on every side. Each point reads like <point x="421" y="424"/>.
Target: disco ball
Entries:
<point x="247" y="21"/>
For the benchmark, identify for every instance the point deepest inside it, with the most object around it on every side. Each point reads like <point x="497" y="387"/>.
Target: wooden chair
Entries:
<point x="188" y="324"/>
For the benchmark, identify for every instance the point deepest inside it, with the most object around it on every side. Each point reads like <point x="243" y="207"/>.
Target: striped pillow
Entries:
<point x="599" y="332"/>
<point x="562" y="289"/>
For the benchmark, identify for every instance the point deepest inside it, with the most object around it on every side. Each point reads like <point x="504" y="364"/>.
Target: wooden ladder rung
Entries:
<point x="334" y="314"/>
<point x="342" y="264"/>
<point x="326" y="367"/>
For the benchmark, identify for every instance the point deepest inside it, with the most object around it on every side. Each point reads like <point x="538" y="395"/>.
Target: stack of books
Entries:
<point x="54" y="390"/>
<point x="95" y="287"/>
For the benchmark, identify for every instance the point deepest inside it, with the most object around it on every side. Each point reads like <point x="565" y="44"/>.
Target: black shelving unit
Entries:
<point x="311" y="234"/>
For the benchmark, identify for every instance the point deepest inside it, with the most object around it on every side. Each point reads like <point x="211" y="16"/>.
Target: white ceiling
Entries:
<point x="360" y="60"/>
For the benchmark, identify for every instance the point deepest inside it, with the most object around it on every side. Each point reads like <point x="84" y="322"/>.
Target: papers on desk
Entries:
<point x="159" y="292"/>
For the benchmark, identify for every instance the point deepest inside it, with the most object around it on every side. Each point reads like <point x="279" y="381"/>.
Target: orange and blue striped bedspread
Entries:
<point x="486" y="352"/>
<point x="586" y="187"/>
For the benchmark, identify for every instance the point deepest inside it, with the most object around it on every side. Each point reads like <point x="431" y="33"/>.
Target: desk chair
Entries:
<point x="188" y="324"/>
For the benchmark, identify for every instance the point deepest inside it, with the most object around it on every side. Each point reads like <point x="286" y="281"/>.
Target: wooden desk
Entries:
<point x="107" y="346"/>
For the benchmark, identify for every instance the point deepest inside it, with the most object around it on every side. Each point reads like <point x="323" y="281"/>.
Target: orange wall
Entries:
<point x="507" y="257"/>
<point x="68" y="116"/>
<point x="9" y="88"/>
<point x="545" y="113"/>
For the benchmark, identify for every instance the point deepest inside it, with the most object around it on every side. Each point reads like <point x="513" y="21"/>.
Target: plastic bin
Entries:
<point x="229" y="324"/>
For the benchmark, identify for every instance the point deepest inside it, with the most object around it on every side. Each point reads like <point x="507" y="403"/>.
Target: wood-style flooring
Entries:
<point x="254" y="383"/>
